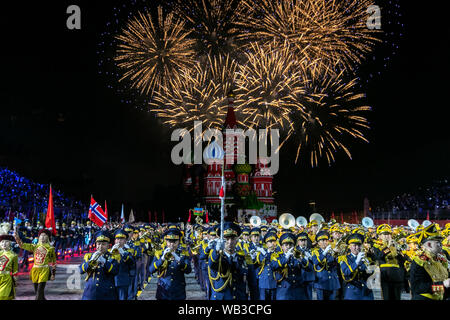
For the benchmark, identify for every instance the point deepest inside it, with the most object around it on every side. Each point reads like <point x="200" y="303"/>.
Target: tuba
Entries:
<point x="255" y="221"/>
<point x="367" y="222"/>
<point x="426" y="223"/>
<point x="318" y="217"/>
<point x="301" y="221"/>
<point x="413" y="224"/>
<point x="320" y="220"/>
<point x="287" y="220"/>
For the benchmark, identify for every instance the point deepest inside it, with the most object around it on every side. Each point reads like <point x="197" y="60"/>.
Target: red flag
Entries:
<point x="50" y="218"/>
<point x="428" y="215"/>
<point x="189" y="219"/>
<point x="207" y="220"/>
<point x="221" y="193"/>
<point x="96" y="213"/>
<point x="106" y="211"/>
<point x="332" y="215"/>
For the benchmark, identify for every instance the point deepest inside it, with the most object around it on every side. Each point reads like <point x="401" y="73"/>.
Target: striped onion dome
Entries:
<point x="213" y="152"/>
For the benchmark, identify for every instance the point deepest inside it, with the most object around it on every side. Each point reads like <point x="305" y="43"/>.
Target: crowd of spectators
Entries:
<point x="433" y="197"/>
<point x="24" y="198"/>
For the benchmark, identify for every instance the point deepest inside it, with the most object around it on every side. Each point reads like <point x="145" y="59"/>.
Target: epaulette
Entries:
<point x="87" y="256"/>
<point x="420" y="259"/>
<point x="158" y="254"/>
<point x="342" y="258"/>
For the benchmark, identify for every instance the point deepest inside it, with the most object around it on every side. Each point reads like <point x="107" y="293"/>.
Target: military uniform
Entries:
<point x="252" y="277"/>
<point x="227" y="272"/>
<point x="391" y="263"/>
<point x="100" y="279"/>
<point x="134" y="252"/>
<point x="355" y="273"/>
<point x="325" y="265"/>
<point x="171" y="268"/>
<point x="8" y="271"/>
<point x="289" y="271"/>
<point x="122" y="280"/>
<point x="203" y="259"/>
<point x="429" y="272"/>
<point x="307" y="276"/>
<point x="266" y="263"/>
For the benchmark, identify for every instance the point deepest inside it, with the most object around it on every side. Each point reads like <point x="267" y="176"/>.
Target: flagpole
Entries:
<point x="222" y="203"/>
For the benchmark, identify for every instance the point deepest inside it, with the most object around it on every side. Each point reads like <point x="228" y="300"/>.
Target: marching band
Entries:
<point x="288" y="259"/>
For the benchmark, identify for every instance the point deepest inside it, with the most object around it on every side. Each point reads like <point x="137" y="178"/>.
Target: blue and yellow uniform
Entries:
<point x="171" y="268"/>
<point x="355" y="273"/>
<point x="308" y="275"/>
<point x="392" y="266"/>
<point x="266" y="263"/>
<point x="122" y="280"/>
<point x="326" y="268"/>
<point x="227" y="271"/>
<point x="290" y="268"/>
<point x="101" y="273"/>
<point x="203" y="259"/>
<point x="135" y="253"/>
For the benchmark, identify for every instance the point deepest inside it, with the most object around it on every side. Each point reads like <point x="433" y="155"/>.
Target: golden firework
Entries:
<point x="324" y="32"/>
<point x="150" y="54"/>
<point x="332" y="114"/>
<point x="214" y="24"/>
<point x="199" y="94"/>
<point x="267" y="87"/>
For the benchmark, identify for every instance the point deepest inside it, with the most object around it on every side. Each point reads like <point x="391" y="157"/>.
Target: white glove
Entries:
<point x="121" y="251"/>
<point x="447" y="283"/>
<point x="211" y="244"/>
<point x="95" y="255"/>
<point x="307" y="255"/>
<point x="177" y="257"/>
<point x="253" y="255"/>
<point x="261" y="249"/>
<point x="116" y="246"/>
<point x="289" y="253"/>
<point x="360" y="257"/>
<point x="164" y="254"/>
<point x="220" y="245"/>
<point x="328" y="248"/>
<point x="102" y="260"/>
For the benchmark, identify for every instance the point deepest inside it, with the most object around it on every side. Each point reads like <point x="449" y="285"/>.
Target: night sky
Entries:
<point x="60" y="123"/>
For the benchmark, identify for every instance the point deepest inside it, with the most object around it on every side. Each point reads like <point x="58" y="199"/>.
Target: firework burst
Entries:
<point x="150" y="55"/>
<point x="332" y="114"/>
<point x="214" y="24"/>
<point x="267" y="86"/>
<point x="324" y="32"/>
<point x="199" y="94"/>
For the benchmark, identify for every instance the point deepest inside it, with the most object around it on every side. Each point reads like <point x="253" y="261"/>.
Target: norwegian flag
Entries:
<point x="96" y="213"/>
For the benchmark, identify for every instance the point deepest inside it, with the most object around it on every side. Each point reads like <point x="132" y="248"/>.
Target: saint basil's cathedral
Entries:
<point x="248" y="187"/>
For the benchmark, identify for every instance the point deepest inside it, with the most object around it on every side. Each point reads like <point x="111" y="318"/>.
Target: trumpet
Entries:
<point x="93" y="265"/>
